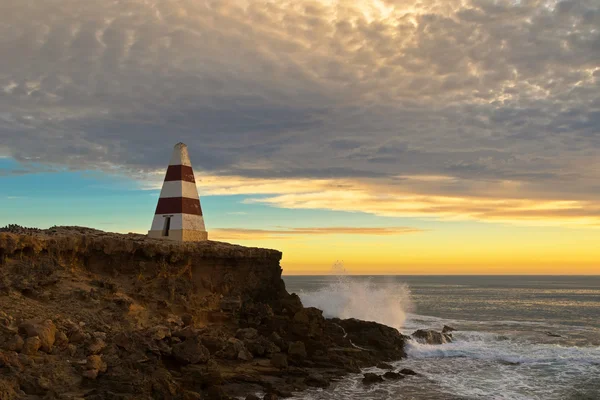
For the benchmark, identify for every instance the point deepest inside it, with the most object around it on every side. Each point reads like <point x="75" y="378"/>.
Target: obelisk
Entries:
<point x="178" y="214"/>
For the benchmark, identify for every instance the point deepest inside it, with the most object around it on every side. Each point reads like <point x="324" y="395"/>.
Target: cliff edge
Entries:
<point x="96" y="315"/>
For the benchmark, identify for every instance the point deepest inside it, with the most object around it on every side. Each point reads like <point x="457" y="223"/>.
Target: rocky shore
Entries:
<point x="95" y="315"/>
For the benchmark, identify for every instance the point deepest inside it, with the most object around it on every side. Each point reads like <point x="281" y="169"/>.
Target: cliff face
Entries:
<point x="84" y="313"/>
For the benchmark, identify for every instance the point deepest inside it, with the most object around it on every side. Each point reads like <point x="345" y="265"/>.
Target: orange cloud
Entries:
<point x="427" y="197"/>
<point x="285" y="233"/>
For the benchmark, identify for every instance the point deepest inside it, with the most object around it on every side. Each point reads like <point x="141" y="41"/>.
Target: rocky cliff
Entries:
<point x="95" y="315"/>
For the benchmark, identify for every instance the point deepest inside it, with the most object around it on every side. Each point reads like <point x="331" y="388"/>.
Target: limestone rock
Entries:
<point x="96" y="346"/>
<point x="45" y="331"/>
<point x="96" y="362"/>
<point x="297" y="350"/>
<point x="31" y="345"/>
<point x="61" y="340"/>
<point x="15" y="343"/>
<point x="90" y="374"/>
<point x="279" y="360"/>
<point x="370" y="378"/>
<point x="247" y="334"/>
<point x="159" y="332"/>
<point x="191" y="351"/>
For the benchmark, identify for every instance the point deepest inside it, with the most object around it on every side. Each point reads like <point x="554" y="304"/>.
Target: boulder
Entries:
<point x="252" y="397"/>
<point x="308" y="322"/>
<point x="393" y="375"/>
<point x="447" y="329"/>
<point x="316" y="380"/>
<point x="159" y="332"/>
<point x="383" y="365"/>
<point x="234" y="349"/>
<point x="297" y="350"/>
<point x="187" y="319"/>
<point x="15" y="343"/>
<point x="191" y="351"/>
<point x="31" y="345"/>
<point x="246" y="334"/>
<point x="290" y="304"/>
<point x="96" y="346"/>
<point x="384" y="342"/>
<point x="279" y="360"/>
<point x="231" y="304"/>
<point x="91" y="374"/>
<point x="45" y="331"/>
<point x="270" y="396"/>
<point x="407" y="371"/>
<point x="370" y="378"/>
<point x="96" y="362"/>
<point x="61" y="340"/>
<point x="429" y="336"/>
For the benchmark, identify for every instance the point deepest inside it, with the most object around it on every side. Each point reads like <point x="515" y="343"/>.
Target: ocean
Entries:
<point x="516" y="338"/>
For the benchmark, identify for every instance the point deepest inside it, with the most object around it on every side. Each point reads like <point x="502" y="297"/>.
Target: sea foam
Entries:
<point x="358" y="297"/>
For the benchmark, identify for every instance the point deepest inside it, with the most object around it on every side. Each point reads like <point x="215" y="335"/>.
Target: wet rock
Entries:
<point x="393" y="375"/>
<point x="31" y="345"/>
<point x="383" y="365"/>
<point x="279" y="360"/>
<point x="270" y="396"/>
<point x="15" y="343"/>
<point x="384" y="343"/>
<point x="550" y="334"/>
<point x="407" y="371"/>
<point x="297" y="350"/>
<point x="252" y="397"/>
<point x="316" y="380"/>
<point x="191" y="351"/>
<point x="45" y="331"/>
<point x="431" y="337"/>
<point x="370" y="378"/>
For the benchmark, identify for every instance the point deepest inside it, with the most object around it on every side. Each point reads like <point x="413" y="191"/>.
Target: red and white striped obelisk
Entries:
<point x="178" y="213"/>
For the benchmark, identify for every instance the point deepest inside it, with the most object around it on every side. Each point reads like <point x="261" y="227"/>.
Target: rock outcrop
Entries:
<point x="429" y="336"/>
<point x="95" y="315"/>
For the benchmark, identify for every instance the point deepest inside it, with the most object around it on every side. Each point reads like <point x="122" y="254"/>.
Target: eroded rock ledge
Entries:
<point x="95" y="315"/>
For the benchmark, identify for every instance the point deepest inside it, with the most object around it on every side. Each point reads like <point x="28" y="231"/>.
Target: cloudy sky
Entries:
<point x="401" y="136"/>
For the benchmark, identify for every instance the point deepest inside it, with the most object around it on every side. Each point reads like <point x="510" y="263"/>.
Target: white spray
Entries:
<point x="348" y="297"/>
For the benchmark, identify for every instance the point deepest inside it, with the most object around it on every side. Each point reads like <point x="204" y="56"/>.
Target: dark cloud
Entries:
<point x="477" y="90"/>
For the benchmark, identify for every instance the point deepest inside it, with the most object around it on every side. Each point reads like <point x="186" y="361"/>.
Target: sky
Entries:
<point x="397" y="137"/>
